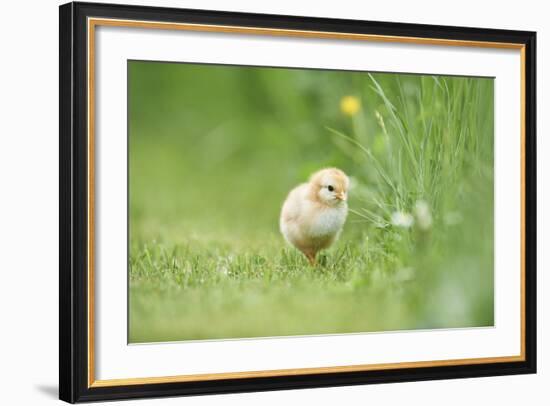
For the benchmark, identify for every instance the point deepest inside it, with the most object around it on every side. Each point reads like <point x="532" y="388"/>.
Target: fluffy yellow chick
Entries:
<point x="314" y="213"/>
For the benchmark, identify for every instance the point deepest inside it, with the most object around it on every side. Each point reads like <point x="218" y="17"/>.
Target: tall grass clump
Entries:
<point x="421" y="148"/>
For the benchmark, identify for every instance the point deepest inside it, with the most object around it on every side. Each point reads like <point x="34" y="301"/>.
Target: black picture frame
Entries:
<point x="73" y="253"/>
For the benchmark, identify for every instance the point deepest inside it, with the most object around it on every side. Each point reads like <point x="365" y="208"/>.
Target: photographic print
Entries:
<point x="268" y="202"/>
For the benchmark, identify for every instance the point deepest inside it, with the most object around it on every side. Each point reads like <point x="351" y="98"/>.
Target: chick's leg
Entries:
<point x="311" y="257"/>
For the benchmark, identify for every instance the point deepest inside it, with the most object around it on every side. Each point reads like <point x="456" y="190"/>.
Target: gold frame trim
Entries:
<point x="94" y="22"/>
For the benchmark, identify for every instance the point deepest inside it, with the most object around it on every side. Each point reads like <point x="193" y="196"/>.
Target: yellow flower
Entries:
<point x="350" y="105"/>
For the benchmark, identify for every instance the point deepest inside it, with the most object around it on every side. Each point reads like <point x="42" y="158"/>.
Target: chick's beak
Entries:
<point x="341" y="196"/>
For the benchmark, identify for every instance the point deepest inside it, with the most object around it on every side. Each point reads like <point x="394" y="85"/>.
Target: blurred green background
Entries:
<point x="213" y="151"/>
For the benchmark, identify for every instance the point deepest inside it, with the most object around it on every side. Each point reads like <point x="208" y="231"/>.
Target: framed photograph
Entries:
<point x="258" y="202"/>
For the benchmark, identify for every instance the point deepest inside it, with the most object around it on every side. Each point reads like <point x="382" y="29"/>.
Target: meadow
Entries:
<point x="213" y="151"/>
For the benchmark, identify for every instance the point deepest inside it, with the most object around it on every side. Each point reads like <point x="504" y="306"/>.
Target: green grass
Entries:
<point x="213" y="152"/>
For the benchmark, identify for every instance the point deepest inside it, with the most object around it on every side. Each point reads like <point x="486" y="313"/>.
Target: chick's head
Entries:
<point x="330" y="186"/>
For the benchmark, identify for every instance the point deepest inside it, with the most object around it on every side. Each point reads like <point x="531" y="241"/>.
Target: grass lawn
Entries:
<point x="214" y="150"/>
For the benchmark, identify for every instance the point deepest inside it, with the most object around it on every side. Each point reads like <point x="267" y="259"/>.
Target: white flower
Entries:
<point x="223" y="265"/>
<point x="423" y="215"/>
<point x="402" y="219"/>
<point x="223" y="270"/>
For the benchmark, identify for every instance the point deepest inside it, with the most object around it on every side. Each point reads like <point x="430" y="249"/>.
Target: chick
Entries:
<point x="314" y="213"/>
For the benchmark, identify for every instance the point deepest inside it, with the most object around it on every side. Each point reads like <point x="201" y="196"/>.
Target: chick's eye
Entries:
<point x="330" y="188"/>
